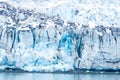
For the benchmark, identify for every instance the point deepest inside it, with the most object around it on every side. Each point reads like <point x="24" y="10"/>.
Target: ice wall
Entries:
<point x="62" y="36"/>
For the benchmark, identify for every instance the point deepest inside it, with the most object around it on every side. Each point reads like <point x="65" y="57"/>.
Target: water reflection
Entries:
<point x="45" y="76"/>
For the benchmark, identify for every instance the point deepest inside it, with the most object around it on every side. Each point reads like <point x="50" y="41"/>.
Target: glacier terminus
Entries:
<point x="52" y="35"/>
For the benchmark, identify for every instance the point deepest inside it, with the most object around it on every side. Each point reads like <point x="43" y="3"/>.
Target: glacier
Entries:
<point x="52" y="35"/>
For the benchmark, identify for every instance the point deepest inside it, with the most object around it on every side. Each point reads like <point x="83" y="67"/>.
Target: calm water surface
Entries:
<point x="54" y="76"/>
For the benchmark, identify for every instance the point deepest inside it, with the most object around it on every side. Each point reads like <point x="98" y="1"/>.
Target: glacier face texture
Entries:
<point x="65" y="35"/>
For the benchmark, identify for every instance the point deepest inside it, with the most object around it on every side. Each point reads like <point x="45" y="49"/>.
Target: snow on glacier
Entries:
<point x="52" y="35"/>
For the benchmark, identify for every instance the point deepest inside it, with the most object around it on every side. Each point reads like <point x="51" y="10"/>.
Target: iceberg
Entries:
<point x="62" y="36"/>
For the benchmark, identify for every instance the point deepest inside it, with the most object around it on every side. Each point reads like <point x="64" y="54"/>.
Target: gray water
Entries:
<point x="55" y="76"/>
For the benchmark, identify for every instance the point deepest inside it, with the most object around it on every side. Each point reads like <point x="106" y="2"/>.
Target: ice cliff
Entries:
<point x="52" y="35"/>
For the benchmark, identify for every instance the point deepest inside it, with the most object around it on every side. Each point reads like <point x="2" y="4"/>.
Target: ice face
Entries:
<point x="59" y="37"/>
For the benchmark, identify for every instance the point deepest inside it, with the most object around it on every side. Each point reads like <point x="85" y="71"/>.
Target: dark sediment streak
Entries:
<point x="77" y="71"/>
